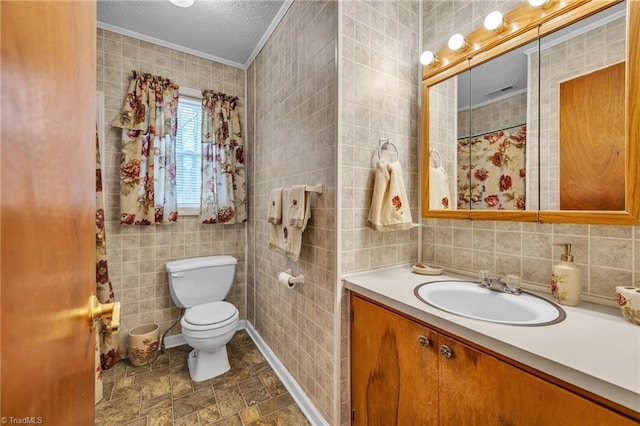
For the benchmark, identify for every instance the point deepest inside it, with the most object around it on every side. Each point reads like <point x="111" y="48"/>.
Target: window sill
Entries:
<point x="188" y="211"/>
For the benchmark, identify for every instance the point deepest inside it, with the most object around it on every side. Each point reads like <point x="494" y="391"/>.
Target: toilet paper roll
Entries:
<point x="626" y="289"/>
<point x="283" y="278"/>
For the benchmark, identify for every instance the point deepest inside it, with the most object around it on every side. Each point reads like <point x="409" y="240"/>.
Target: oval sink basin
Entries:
<point x="469" y="300"/>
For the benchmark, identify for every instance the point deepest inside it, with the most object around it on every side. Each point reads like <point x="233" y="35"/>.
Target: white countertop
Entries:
<point x="594" y="348"/>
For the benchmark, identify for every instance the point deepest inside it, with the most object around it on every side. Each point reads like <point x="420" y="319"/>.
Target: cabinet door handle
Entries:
<point x="446" y="351"/>
<point x="424" y="341"/>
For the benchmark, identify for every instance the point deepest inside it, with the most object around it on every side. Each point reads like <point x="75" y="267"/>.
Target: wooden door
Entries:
<point x="47" y="211"/>
<point x="394" y="378"/>
<point x="592" y="141"/>
<point x="478" y="389"/>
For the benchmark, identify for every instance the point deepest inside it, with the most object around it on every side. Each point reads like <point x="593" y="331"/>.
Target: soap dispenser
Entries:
<point x="566" y="279"/>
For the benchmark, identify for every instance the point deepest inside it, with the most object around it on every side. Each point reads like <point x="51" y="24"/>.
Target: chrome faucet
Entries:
<point x="509" y="284"/>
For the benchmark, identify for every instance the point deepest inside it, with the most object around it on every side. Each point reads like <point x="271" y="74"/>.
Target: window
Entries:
<point x="188" y="153"/>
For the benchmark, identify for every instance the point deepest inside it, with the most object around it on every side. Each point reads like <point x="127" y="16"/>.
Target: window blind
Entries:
<point x="188" y="152"/>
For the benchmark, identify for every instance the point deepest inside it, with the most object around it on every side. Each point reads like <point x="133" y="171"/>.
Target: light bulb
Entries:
<point x="494" y="21"/>
<point x="182" y="3"/>
<point x="538" y="3"/>
<point x="427" y="58"/>
<point x="456" y="42"/>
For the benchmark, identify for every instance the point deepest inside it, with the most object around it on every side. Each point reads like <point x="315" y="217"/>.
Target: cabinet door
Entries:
<point x="465" y="385"/>
<point x="478" y="389"/>
<point x="394" y="379"/>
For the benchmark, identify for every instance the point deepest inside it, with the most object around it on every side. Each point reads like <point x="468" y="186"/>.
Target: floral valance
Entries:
<point x="149" y="122"/>
<point x="146" y="92"/>
<point x="220" y="112"/>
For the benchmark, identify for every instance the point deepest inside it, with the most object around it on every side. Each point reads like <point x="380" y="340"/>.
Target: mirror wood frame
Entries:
<point x="529" y="24"/>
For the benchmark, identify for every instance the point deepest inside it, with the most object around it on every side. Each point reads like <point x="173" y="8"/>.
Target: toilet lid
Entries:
<point x="210" y="313"/>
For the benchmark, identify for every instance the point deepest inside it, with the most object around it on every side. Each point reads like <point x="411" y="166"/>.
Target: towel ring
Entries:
<point x="384" y="144"/>
<point x="435" y="155"/>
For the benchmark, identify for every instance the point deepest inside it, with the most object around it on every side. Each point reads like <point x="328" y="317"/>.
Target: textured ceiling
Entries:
<point x="229" y="31"/>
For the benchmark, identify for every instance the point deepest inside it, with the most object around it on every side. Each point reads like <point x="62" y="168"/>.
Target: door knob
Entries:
<point x="424" y="341"/>
<point x="446" y="351"/>
<point x="99" y="311"/>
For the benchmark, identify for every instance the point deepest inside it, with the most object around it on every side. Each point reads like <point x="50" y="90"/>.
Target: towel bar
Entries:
<point x="314" y="188"/>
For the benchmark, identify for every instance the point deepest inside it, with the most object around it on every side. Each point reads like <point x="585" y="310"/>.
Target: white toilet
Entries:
<point x="200" y="284"/>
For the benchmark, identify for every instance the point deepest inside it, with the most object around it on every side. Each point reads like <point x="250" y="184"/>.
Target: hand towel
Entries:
<point x="439" y="196"/>
<point x="286" y="239"/>
<point x="307" y="212"/>
<point x="274" y="215"/>
<point x="389" y="205"/>
<point x="296" y="203"/>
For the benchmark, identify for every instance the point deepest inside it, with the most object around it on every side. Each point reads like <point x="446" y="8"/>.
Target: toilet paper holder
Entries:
<point x="294" y="279"/>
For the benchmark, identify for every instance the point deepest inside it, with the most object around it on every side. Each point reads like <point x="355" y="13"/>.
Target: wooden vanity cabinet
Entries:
<point x="399" y="378"/>
<point x="394" y="377"/>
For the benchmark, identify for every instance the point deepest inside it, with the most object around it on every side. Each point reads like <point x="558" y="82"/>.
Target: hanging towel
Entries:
<point x="299" y="211"/>
<point x="389" y="204"/>
<point x="285" y="238"/>
<point x="439" y="197"/>
<point x="302" y="224"/>
<point x="274" y="215"/>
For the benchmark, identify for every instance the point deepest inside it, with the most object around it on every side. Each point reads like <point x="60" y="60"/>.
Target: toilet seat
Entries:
<point x="210" y="316"/>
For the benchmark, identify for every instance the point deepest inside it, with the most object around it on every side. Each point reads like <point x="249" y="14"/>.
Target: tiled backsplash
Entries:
<point x="137" y="254"/>
<point x="608" y="255"/>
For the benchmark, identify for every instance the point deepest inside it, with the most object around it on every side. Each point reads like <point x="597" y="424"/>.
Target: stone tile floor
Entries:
<point x="164" y="394"/>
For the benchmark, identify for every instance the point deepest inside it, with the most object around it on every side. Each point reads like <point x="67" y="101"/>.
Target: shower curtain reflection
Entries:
<point x="494" y="167"/>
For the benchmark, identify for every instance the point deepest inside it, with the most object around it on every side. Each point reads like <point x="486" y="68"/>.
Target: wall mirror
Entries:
<point x="582" y="141"/>
<point x="496" y="162"/>
<point x="446" y="189"/>
<point x="552" y="140"/>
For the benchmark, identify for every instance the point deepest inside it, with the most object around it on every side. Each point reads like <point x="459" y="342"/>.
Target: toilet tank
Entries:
<point x="200" y="279"/>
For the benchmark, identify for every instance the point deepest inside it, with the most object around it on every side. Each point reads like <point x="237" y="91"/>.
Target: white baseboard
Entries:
<point x="306" y="406"/>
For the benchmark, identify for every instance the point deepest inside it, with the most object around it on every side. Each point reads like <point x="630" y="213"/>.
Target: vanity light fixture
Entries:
<point x="539" y="3"/>
<point x="494" y="21"/>
<point x="428" y="58"/>
<point x="457" y="42"/>
<point x="182" y="3"/>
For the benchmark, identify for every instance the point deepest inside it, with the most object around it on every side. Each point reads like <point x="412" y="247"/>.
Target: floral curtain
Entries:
<point x="492" y="170"/>
<point x="109" y="346"/>
<point x="148" y="160"/>
<point x="224" y="198"/>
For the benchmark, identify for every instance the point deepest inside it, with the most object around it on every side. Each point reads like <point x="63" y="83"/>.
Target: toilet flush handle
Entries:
<point x="99" y="311"/>
<point x="177" y="274"/>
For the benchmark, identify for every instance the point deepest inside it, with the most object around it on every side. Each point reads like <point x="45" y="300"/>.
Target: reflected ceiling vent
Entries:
<point x="499" y="92"/>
